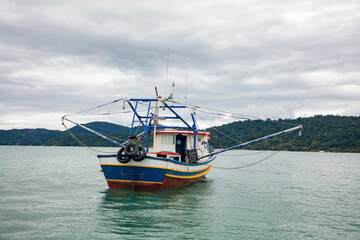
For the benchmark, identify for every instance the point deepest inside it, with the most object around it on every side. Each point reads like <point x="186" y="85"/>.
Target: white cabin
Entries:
<point x="175" y="143"/>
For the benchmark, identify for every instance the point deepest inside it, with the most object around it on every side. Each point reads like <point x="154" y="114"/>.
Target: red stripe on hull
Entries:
<point x="172" y="182"/>
<point x="168" y="182"/>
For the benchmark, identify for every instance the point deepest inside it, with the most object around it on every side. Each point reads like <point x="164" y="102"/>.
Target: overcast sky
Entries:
<point x="271" y="59"/>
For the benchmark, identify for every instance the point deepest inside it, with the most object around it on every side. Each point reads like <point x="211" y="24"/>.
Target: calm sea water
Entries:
<point x="59" y="193"/>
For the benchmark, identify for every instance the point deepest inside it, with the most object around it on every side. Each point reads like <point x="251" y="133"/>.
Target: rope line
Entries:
<point x="221" y="114"/>
<point x="89" y="149"/>
<point x="241" y="155"/>
<point x="254" y="163"/>
<point x="212" y="109"/>
<point x="104" y="114"/>
<point x="218" y="130"/>
<point x="241" y="116"/>
<point x="99" y="106"/>
<point x="193" y="108"/>
<point x="251" y="164"/>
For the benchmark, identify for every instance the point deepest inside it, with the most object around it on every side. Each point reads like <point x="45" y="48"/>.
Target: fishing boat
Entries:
<point x="169" y="151"/>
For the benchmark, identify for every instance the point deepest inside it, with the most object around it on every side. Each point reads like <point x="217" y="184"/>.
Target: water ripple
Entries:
<point x="59" y="193"/>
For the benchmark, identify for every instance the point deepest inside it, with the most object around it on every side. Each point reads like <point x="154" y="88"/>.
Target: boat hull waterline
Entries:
<point x="152" y="172"/>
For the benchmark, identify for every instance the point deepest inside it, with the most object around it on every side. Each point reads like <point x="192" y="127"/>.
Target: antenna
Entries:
<point x="167" y="72"/>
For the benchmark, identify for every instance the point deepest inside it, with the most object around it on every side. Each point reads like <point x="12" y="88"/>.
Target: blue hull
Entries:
<point x="136" y="175"/>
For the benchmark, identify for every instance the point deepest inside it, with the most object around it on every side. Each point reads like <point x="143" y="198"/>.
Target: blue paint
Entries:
<point x="186" y="174"/>
<point x="130" y="173"/>
<point x="194" y="129"/>
<point x="147" y="174"/>
<point x="148" y="127"/>
<point x="178" y="106"/>
<point x="178" y="116"/>
<point x="167" y="160"/>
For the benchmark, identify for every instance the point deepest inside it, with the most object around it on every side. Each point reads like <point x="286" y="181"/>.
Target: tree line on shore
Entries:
<point x="319" y="133"/>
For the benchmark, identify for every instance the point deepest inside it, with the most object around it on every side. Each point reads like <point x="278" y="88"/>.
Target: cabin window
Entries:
<point x="168" y="139"/>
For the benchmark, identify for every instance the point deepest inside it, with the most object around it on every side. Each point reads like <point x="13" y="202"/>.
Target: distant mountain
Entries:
<point x="102" y="127"/>
<point x="117" y="132"/>
<point x="320" y="133"/>
<point x="37" y="137"/>
<point x="34" y="137"/>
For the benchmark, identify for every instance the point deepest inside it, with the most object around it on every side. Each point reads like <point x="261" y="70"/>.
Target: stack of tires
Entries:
<point x="131" y="151"/>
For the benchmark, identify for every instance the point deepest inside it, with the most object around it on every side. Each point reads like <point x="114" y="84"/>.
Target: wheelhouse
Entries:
<point x="178" y="144"/>
<point x="181" y="143"/>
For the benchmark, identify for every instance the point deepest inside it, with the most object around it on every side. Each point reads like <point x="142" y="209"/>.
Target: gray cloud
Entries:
<point x="264" y="58"/>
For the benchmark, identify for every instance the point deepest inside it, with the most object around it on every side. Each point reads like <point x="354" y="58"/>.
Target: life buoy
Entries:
<point x="131" y="149"/>
<point x="122" y="158"/>
<point x="140" y="155"/>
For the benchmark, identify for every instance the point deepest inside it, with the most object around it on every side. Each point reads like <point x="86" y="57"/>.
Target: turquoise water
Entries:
<point x="59" y="193"/>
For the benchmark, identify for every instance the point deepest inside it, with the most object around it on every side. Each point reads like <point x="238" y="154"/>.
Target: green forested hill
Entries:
<point x="88" y="140"/>
<point x="117" y="132"/>
<point x="103" y="127"/>
<point x="320" y="133"/>
<point x="37" y="137"/>
<point x="34" y="137"/>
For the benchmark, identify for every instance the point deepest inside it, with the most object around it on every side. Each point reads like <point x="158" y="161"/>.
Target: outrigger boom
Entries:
<point x="148" y="126"/>
<point x="92" y="131"/>
<point x="253" y="141"/>
<point x="180" y="154"/>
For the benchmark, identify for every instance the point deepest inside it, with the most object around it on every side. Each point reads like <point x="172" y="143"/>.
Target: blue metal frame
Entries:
<point x="194" y="127"/>
<point x="148" y="127"/>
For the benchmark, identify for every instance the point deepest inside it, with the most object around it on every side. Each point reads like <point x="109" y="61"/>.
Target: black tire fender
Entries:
<point x="121" y="157"/>
<point x="140" y="155"/>
<point x="131" y="149"/>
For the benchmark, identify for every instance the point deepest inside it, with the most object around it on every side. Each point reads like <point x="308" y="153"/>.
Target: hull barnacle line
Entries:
<point x="170" y="150"/>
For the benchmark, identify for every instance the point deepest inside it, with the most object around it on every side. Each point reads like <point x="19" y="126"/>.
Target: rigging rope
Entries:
<point x="212" y="109"/>
<point x="219" y="130"/>
<point x="254" y="163"/>
<point x="240" y="116"/>
<point x="221" y="114"/>
<point x="87" y="148"/>
<point x="106" y="113"/>
<point x="234" y="115"/>
<point x="102" y="105"/>
<point x="251" y="164"/>
<point x="241" y="155"/>
<point x="193" y="107"/>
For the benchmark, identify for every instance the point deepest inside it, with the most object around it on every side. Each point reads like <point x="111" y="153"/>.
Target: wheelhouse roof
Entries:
<point x="180" y="132"/>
